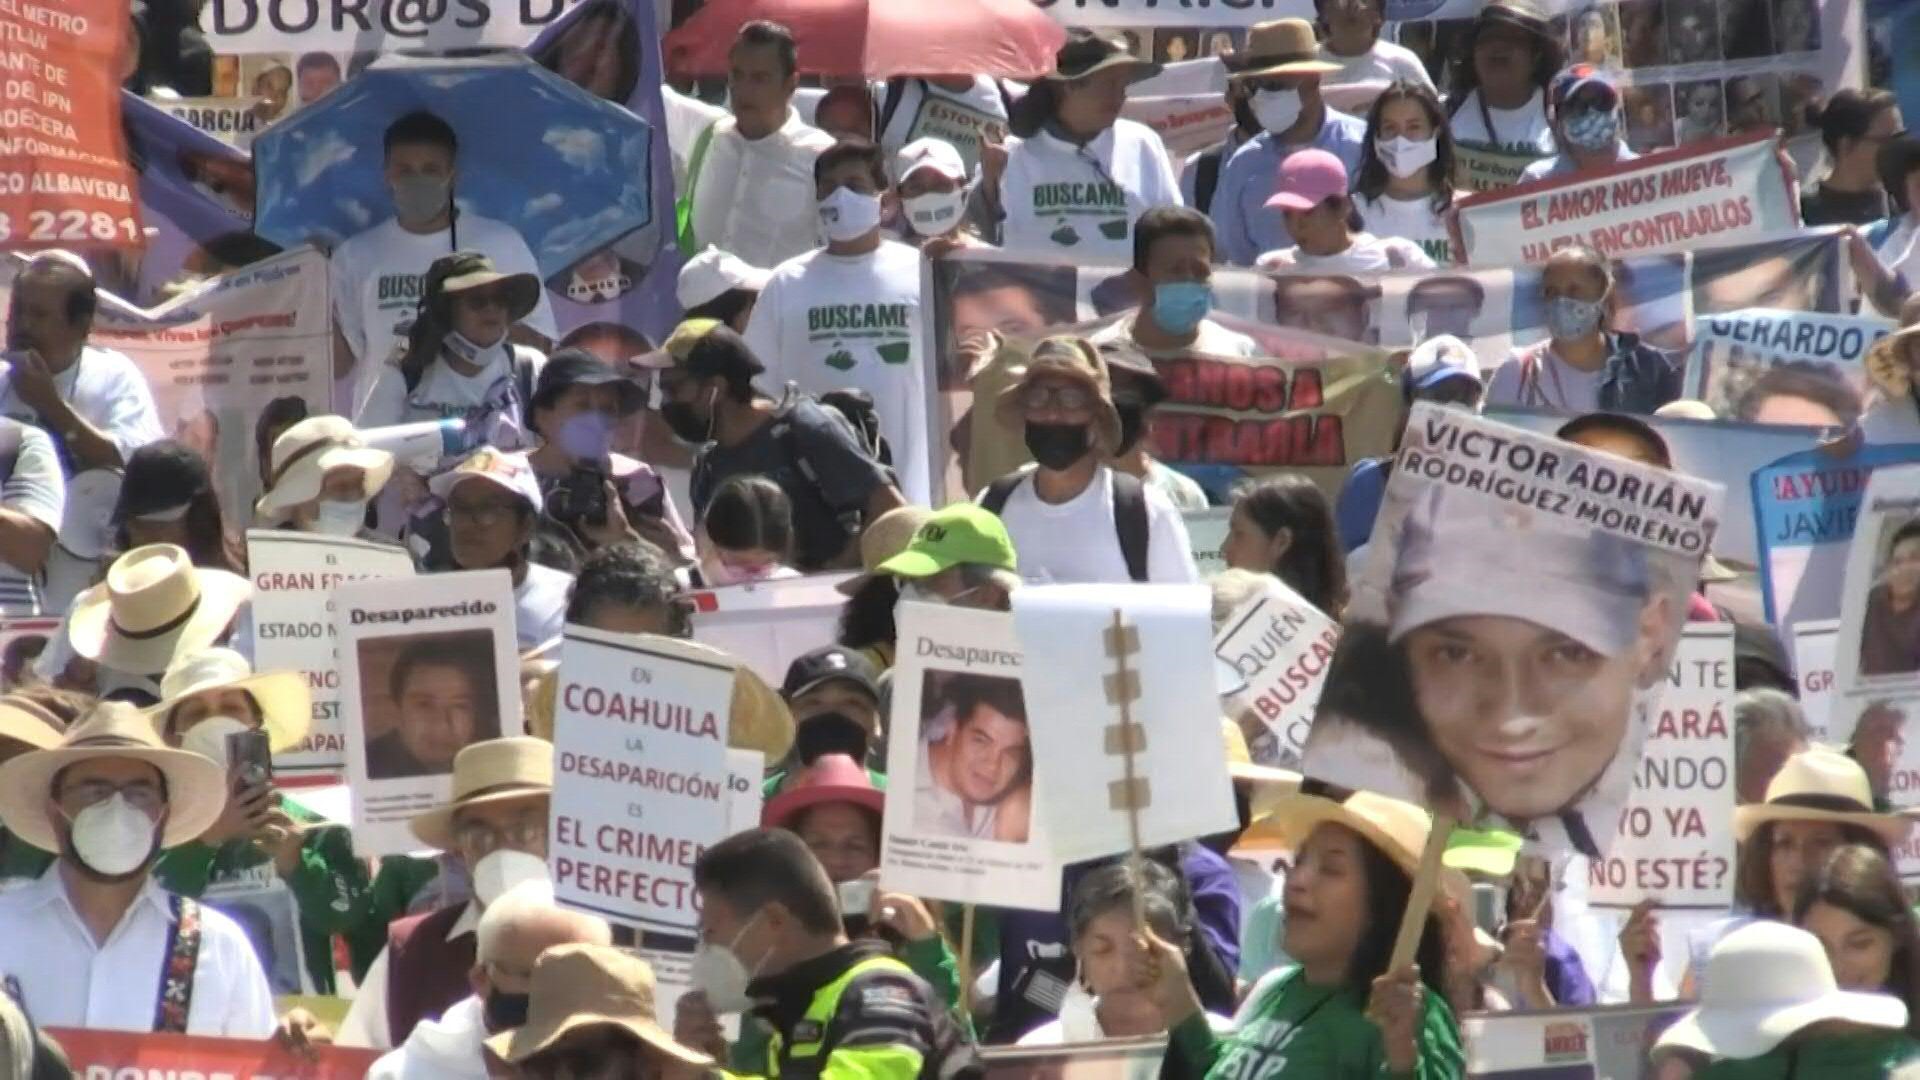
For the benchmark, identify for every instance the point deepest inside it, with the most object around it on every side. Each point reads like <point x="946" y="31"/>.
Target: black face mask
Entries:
<point x="687" y="426"/>
<point x="504" y="1012"/>
<point x="1133" y="420"/>
<point x="1058" y="446"/>
<point x="829" y="733"/>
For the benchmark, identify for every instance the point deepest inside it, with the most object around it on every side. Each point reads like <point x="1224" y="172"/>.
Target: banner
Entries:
<point x="1813" y="646"/>
<point x="1187" y="124"/>
<point x="294" y="574"/>
<point x="1805" y="508"/>
<point x="1280" y="646"/>
<point x="116" y="1055"/>
<point x="232" y="120"/>
<point x="766" y="625"/>
<point x="1500" y="554"/>
<point x="1719" y="192"/>
<point x="1674" y="844"/>
<point x="959" y="818"/>
<point x="429" y="668"/>
<point x="64" y="179"/>
<point x="265" y="26"/>
<point x="1767" y="366"/>
<point x="1609" y="1043"/>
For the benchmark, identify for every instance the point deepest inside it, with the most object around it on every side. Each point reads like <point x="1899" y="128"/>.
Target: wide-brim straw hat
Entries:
<point x="1820" y="784"/>
<point x="285" y="703"/>
<point x="586" y="986"/>
<point x="153" y="607"/>
<point x="1399" y="829"/>
<point x="26" y="722"/>
<point x="1280" y="47"/>
<point x="1079" y="360"/>
<point x="1265" y="785"/>
<point x="888" y="536"/>
<point x="196" y="786"/>
<point x="1887" y="362"/>
<point x="304" y="454"/>
<point x="493" y="771"/>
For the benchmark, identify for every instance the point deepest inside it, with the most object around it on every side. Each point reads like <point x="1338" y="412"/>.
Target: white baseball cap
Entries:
<point x="712" y="272"/>
<point x="929" y="154"/>
<point x="1438" y="359"/>
<point x="512" y="473"/>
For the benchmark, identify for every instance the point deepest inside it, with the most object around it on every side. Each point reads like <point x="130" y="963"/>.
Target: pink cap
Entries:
<point x="1309" y="178"/>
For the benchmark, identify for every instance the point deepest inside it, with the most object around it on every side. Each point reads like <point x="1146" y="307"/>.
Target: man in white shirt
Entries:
<point x="975" y="772"/>
<point x="1073" y="519"/>
<point x="95" y="942"/>
<point x="749" y="186"/>
<point x="378" y="276"/>
<point x="848" y="315"/>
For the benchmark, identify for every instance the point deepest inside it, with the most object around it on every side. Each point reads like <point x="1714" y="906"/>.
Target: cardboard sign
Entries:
<point x="1488" y="168"/>
<point x="1674" y="844"/>
<point x="294" y="574"/>
<point x="1814" y="642"/>
<point x="642" y="783"/>
<point x="1713" y="193"/>
<point x="960" y="825"/>
<point x="1281" y="647"/>
<point x="112" y="1055"/>
<point x="1805" y="509"/>
<point x="1611" y="1042"/>
<point x="64" y="177"/>
<point x="1501" y="555"/>
<point x="1129" y="708"/>
<point x="767" y="624"/>
<point x="1187" y="124"/>
<point x="429" y="668"/>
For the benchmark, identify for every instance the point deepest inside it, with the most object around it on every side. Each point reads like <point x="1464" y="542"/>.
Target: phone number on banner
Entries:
<point x="69" y="226"/>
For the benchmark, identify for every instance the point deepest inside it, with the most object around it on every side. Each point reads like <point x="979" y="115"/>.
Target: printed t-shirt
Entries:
<point x="1291" y="1030"/>
<point x="1408" y="219"/>
<point x="1518" y="131"/>
<point x="1556" y="385"/>
<point x="928" y="111"/>
<point x="490" y="402"/>
<point x="1080" y="202"/>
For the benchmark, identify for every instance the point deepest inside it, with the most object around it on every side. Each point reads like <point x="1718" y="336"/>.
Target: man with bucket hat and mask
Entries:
<point x="96" y="942"/>
<point x="1062" y="511"/>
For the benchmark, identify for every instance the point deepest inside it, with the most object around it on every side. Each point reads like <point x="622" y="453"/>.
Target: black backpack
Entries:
<point x="1129" y="514"/>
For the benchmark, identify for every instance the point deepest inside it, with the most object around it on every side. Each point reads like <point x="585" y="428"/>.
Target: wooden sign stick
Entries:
<point x="1406" y="945"/>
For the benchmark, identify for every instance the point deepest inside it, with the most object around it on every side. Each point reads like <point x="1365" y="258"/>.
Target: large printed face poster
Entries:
<point x="1877" y="652"/>
<point x="1800" y="368"/>
<point x="1515" y="689"/>
<point x="428" y="668"/>
<point x="1806" y="506"/>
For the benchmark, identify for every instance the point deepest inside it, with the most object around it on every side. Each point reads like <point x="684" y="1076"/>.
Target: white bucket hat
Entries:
<point x="304" y="454"/>
<point x="286" y="706"/>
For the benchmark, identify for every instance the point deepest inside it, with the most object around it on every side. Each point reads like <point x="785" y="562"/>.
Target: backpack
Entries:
<point x="1129" y="514"/>
<point x="855" y="406"/>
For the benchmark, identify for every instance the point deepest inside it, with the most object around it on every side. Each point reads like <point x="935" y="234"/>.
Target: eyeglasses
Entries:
<point x="478" y="839"/>
<point x="1040" y="396"/>
<point x="143" y="795"/>
<point x="482" y="514"/>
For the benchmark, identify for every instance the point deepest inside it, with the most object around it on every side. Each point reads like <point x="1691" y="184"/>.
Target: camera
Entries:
<point x="580" y="498"/>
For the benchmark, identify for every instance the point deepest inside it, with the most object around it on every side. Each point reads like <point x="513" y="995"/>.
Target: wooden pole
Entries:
<point x="964" y="962"/>
<point x="1407" y="943"/>
<point x="1123" y="682"/>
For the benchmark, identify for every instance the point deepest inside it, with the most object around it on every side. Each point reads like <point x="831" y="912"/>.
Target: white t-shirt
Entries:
<point x="1080" y="203"/>
<point x="927" y="111"/>
<point x="379" y="275"/>
<point x="755" y="197"/>
<point x="540" y="605"/>
<point x="1408" y="219"/>
<point x="107" y="391"/>
<point x="1210" y="339"/>
<point x="1368" y="254"/>
<point x="830" y="322"/>
<point x="1555" y="385"/>
<point x="489" y="402"/>
<point x="1076" y="541"/>
<point x="1522" y="131"/>
<point x="1384" y="63"/>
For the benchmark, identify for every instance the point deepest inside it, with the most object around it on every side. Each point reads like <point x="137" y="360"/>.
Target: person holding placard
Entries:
<point x="493" y="504"/>
<point x="322" y="478"/>
<point x="1440" y="369"/>
<point x="1339" y="1014"/>
<point x="1858" y="909"/>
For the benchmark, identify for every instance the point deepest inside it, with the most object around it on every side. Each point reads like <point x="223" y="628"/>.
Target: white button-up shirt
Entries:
<point x="68" y="980"/>
<point x="754" y="197"/>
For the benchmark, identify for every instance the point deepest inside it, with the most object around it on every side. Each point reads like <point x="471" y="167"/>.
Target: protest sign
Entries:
<point x="1280" y="646"/>
<point x="746" y="769"/>
<point x="1805" y="508"/>
<point x="300" y="26"/>
<point x="1813" y="644"/>
<point x="1610" y="1042"/>
<point x="232" y="120"/>
<point x="959" y="821"/>
<point x="96" y="1054"/>
<point x="1187" y="124"/>
<point x="196" y="202"/>
<point x="1767" y="366"/>
<point x="1478" y="167"/>
<point x="1108" y="1059"/>
<point x="766" y="624"/>
<point x="1718" y="192"/>
<point x="64" y="177"/>
<point x="1206" y="535"/>
<point x="1674" y="844"/>
<point x="1877" y="652"/>
<point x="1125" y="708"/>
<point x="642" y="783"/>
<point x="21" y="642"/>
<point x="294" y="574"/>
<point x="1504" y="546"/>
<point x="428" y="667"/>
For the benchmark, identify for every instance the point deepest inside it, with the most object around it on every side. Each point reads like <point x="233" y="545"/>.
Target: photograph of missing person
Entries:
<point x="1879" y="742"/>
<point x="1796" y="26"/>
<point x="1444" y="304"/>
<point x="1649" y="117"/>
<point x="1746" y="29"/>
<point x="1173" y="46"/>
<point x="1693" y="31"/>
<point x="424" y="698"/>
<point x="1798" y="393"/>
<point x="1593" y="35"/>
<point x="1222" y="42"/>
<point x="1643" y="32"/>
<point x="1701" y="111"/>
<point x="974" y="777"/>
<point x="1753" y="103"/>
<point x="1332" y="304"/>
<point x="1890" y="631"/>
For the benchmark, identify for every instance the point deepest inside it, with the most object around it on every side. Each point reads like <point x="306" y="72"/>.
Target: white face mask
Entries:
<point x="849" y="215"/>
<point x="1276" y="109"/>
<point x="337" y="518"/>
<point x="936" y="213"/>
<point x="1405" y="157"/>
<point x="113" y="838"/>
<point x="1079" y="1022"/>
<point x="499" y="871"/>
<point x="208" y="738"/>
<point x="718" y="973"/>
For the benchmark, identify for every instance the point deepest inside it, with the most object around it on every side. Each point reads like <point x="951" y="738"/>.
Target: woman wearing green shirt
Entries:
<point x="1339" y="1013"/>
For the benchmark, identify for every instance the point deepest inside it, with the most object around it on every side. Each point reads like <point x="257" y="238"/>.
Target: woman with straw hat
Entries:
<point x="1340" y="1013"/>
<point x="321" y="478"/>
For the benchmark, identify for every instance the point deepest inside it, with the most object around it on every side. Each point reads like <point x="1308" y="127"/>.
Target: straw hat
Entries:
<point x="1280" y="47"/>
<point x="1398" y="829"/>
<point x="486" y="772"/>
<point x="888" y="536"/>
<point x="580" y="986"/>
<point x="304" y="454"/>
<point x="1265" y="785"/>
<point x="1889" y="363"/>
<point x="1075" y="358"/>
<point x="831" y="778"/>
<point x="196" y="786"/>
<point x="1764" y="982"/>
<point x="24" y="721"/>
<point x="154" y="606"/>
<point x="282" y="696"/>
<point x="1820" y="784"/>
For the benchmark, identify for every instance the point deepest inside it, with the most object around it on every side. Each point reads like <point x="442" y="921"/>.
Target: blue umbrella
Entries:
<point x="567" y="169"/>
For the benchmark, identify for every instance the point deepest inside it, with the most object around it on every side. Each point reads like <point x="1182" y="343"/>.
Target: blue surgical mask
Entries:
<point x="1592" y="129"/>
<point x="1569" y="318"/>
<point x="1178" y="306"/>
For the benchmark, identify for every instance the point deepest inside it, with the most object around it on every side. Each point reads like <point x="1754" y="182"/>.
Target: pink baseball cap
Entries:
<point x="1309" y="178"/>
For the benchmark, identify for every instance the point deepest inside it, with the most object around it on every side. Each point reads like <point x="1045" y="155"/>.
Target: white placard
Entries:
<point x="641" y="778"/>
<point x="428" y="667"/>
<point x="746" y="769"/>
<point x="293" y="630"/>
<point x="1876" y="659"/>
<point x="1813" y="649"/>
<point x="766" y="624"/>
<point x="1176" y="781"/>
<point x="1280" y="645"/>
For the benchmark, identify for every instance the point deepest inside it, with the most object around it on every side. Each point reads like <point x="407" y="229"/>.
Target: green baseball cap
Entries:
<point x="961" y="533"/>
<point x="1482" y="851"/>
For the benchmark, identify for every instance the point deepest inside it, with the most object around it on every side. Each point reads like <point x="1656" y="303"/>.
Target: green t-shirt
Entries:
<point x="1856" y="1055"/>
<point x="1290" y="1030"/>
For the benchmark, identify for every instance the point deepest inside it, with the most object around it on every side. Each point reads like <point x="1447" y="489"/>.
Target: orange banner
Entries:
<point x="132" y="1053"/>
<point x="64" y="176"/>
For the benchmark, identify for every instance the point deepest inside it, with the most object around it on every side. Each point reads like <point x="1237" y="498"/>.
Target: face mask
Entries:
<point x="499" y="871"/>
<point x="420" y="198"/>
<point x="718" y="973"/>
<point x="829" y="733"/>
<point x="1078" y="1020"/>
<point x="1178" y="306"/>
<point x="465" y="347"/>
<point x="586" y="436"/>
<point x="339" y="517"/>
<point x="1405" y="157"/>
<point x="1133" y="421"/>
<point x="1057" y="446"/>
<point x="208" y="738"/>
<point x="936" y="213"/>
<point x="1276" y="109"/>
<point x="849" y="215"/>
<point x="504" y="1012"/>
<point x="1592" y="129"/>
<point x="718" y="571"/>
<point x="113" y="838"/>
<point x="687" y="426"/>
<point x="1568" y="318"/>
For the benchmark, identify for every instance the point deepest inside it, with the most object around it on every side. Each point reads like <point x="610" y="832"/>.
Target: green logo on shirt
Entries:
<point x="839" y="359"/>
<point x="895" y="353"/>
<point x="1101" y="198"/>
<point x="857" y="317"/>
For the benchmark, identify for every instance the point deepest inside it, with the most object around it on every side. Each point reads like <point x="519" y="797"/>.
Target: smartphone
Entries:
<point x="250" y="758"/>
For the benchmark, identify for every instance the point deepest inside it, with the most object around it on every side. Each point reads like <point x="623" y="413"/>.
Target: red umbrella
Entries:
<point x="879" y="39"/>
